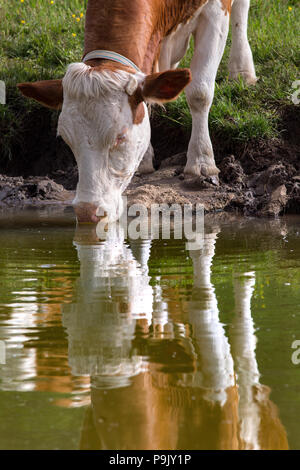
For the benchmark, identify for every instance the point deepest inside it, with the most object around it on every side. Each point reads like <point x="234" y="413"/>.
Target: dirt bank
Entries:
<point x="16" y="191"/>
<point x="260" y="178"/>
<point x="269" y="192"/>
<point x="265" y="192"/>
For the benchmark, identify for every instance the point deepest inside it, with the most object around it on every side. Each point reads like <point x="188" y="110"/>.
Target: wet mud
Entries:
<point x="257" y="178"/>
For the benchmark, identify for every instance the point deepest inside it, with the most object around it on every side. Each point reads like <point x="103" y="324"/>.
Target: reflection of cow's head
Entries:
<point x="112" y="296"/>
<point x="105" y="122"/>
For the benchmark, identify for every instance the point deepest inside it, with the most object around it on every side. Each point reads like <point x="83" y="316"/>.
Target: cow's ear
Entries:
<point x="165" y="86"/>
<point x="48" y="92"/>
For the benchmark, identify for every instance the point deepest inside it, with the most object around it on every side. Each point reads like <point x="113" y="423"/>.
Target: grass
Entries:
<point x="242" y="112"/>
<point x="39" y="38"/>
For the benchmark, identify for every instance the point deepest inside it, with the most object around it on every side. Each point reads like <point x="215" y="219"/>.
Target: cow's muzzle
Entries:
<point x="86" y="213"/>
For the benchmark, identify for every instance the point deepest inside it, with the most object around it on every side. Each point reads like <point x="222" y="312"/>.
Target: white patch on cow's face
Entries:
<point x="97" y="123"/>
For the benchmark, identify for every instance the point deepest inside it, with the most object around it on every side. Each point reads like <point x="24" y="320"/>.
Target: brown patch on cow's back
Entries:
<point x="152" y="53"/>
<point x="142" y="24"/>
<point x="226" y="5"/>
<point x="175" y="12"/>
<point x="121" y="26"/>
<point x="167" y="15"/>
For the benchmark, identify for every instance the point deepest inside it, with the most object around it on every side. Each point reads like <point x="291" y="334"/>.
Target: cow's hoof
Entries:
<point x="214" y="180"/>
<point x="145" y="169"/>
<point x="202" y="169"/>
<point x="198" y="183"/>
<point x="248" y="77"/>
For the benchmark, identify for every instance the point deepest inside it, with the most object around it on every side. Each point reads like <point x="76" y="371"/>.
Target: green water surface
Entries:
<point x="145" y="345"/>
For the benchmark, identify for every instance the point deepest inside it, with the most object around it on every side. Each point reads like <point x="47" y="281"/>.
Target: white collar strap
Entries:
<point x="110" y="55"/>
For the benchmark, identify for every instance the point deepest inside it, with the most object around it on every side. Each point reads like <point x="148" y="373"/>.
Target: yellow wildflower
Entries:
<point x="290" y="8"/>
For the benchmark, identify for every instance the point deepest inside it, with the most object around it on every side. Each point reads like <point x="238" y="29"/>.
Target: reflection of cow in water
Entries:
<point x="157" y="383"/>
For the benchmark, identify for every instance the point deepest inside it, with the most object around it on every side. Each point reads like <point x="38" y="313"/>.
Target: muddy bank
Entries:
<point x="259" y="178"/>
<point x="17" y="191"/>
<point x="267" y="192"/>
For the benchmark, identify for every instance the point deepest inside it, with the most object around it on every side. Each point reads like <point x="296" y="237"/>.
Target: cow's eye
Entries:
<point x="121" y="137"/>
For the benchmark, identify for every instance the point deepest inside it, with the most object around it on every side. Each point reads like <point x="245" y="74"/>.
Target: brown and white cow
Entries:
<point x="104" y="116"/>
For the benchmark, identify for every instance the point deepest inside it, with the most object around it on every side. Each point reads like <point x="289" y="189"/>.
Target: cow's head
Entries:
<point x="105" y="122"/>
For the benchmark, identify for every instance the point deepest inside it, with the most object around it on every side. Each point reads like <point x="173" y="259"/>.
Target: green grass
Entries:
<point x="242" y="112"/>
<point x="38" y="39"/>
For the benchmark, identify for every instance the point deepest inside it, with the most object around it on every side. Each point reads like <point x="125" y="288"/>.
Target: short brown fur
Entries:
<point x="48" y="92"/>
<point x="227" y="4"/>
<point x="135" y="29"/>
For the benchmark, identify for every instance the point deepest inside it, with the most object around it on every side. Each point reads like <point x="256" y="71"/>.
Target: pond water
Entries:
<point x="145" y="345"/>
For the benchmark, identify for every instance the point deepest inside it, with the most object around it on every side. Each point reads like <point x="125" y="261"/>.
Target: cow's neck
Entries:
<point x="123" y="26"/>
<point x="134" y="28"/>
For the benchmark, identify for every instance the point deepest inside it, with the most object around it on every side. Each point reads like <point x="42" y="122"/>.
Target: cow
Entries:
<point x="131" y="52"/>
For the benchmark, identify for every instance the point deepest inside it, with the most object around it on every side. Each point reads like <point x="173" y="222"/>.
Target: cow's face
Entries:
<point x="105" y="122"/>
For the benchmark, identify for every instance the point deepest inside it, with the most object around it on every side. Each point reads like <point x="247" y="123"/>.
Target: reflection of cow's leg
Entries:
<point x="160" y="321"/>
<point x="146" y="165"/>
<point x="241" y="60"/>
<point x="211" y="345"/>
<point x="243" y="333"/>
<point x="140" y="290"/>
<point x="141" y="250"/>
<point x="243" y="343"/>
<point x="210" y="40"/>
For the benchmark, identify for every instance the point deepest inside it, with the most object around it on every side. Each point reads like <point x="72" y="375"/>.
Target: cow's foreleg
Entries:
<point x="146" y="165"/>
<point x="241" y="60"/>
<point x="210" y="40"/>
